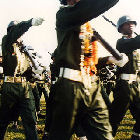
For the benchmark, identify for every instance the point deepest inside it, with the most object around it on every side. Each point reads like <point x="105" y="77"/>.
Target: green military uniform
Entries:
<point x="42" y="89"/>
<point x="70" y="98"/>
<point x="17" y="97"/>
<point x="32" y="80"/>
<point x="127" y="92"/>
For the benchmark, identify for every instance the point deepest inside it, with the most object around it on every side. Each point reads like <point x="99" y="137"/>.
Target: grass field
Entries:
<point x="124" y="131"/>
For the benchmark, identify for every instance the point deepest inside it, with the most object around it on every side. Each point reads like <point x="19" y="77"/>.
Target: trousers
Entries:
<point x="126" y="96"/>
<point x="17" y="99"/>
<point x="71" y="105"/>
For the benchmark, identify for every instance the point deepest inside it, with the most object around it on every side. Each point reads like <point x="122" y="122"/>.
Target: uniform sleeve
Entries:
<point x="18" y="30"/>
<point x="82" y="12"/>
<point x="128" y="45"/>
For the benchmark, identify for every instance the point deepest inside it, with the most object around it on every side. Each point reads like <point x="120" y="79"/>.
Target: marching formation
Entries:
<point x="78" y="88"/>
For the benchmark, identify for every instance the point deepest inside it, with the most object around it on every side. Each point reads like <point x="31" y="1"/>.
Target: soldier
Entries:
<point x="126" y="92"/>
<point x="32" y="80"/>
<point x="35" y="75"/>
<point x="17" y="98"/>
<point x="77" y="95"/>
<point x="54" y="76"/>
<point x="41" y="87"/>
<point x="41" y="83"/>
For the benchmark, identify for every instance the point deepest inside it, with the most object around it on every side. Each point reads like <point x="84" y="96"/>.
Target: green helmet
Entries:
<point x="64" y="2"/>
<point x="123" y="20"/>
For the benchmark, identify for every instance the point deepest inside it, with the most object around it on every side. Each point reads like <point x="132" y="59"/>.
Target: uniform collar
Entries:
<point x="126" y="36"/>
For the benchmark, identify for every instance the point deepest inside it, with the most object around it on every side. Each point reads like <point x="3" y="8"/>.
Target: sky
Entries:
<point x="43" y="38"/>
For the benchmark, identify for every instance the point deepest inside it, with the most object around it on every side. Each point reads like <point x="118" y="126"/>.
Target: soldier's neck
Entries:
<point x="129" y="36"/>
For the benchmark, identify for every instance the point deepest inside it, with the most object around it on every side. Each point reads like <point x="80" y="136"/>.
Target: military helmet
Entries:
<point x="64" y="2"/>
<point x="11" y="24"/>
<point x="123" y="20"/>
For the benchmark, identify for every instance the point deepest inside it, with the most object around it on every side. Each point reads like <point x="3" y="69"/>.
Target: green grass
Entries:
<point x="124" y="131"/>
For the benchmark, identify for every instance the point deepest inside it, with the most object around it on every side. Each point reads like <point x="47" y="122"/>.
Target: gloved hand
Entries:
<point x="119" y="63"/>
<point x="37" y="21"/>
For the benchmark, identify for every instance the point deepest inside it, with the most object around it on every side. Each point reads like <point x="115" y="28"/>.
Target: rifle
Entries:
<point x="49" y="53"/>
<point x="26" y="50"/>
<point x="113" y="23"/>
<point x="106" y="45"/>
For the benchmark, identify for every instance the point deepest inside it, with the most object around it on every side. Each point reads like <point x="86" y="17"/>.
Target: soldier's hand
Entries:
<point x="37" y="21"/>
<point x="119" y="63"/>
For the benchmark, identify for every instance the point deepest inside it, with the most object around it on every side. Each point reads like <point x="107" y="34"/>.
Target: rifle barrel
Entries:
<point x="107" y="46"/>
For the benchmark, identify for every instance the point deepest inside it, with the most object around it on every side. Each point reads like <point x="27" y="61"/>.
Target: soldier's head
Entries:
<point x="126" y="25"/>
<point x="68" y="2"/>
<point x="11" y="25"/>
<point x="64" y="2"/>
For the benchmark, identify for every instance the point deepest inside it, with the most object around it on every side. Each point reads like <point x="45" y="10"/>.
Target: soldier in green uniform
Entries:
<point x="74" y="99"/>
<point x="54" y="76"/>
<point x="17" y="98"/>
<point x="127" y="92"/>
